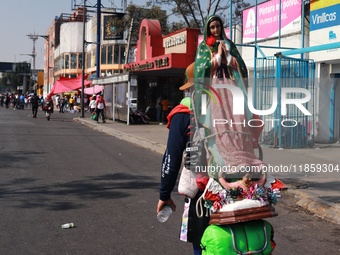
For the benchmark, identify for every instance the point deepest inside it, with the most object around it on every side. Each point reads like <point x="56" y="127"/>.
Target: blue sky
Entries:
<point x="20" y="18"/>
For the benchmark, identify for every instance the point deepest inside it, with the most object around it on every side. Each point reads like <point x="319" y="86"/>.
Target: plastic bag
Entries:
<point x="255" y="237"/>
<point x="94" y="116"/>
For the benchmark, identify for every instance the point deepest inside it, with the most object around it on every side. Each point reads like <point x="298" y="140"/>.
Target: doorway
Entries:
<point x="336" y="111"/>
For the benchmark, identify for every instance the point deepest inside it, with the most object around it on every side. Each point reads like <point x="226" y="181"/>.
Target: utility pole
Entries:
<point x="83" y="64"/>
<point x="127" y="49"/>
<point x="24" y="82"/>
<point x="99" y="5"/>
<point x="33" y="37"/>
<point x="47" y="56"/>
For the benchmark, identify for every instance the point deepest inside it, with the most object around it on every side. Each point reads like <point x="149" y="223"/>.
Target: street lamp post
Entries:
<point x="83" y="64"/>
<point x="31" y="74"/>
<point x="99" y="6"/>
<point x="46" y="37"/>
<point x="85" y="43"/>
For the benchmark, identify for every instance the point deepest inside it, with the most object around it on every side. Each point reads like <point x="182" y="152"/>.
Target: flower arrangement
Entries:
<point x="261" y="193"/>
<point x="216" y="201"/>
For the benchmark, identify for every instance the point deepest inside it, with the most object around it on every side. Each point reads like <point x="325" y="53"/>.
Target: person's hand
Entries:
<point x="162" y="203"/>
<point x="222" y="49"/>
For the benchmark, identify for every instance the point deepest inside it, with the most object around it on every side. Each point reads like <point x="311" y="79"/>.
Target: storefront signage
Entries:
<point x="152" y="84"/>
<point x="325" y="29"/>
<point x="174" y="41"/>
<point x="267" y="19"/>
<point x="112" y="79"/>
<point x="325" y="17"/>
<point x="138" y="67"/>
<point x="162" y="62"/>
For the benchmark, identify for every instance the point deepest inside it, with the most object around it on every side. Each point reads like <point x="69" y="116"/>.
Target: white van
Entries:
<point x="133" y="104"/>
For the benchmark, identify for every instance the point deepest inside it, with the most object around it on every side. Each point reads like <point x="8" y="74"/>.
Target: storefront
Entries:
<point x="160" y="63"/>
<point x="325" y="30"/>
<point x="158" y="70"/>
<point x="115" y="92"/>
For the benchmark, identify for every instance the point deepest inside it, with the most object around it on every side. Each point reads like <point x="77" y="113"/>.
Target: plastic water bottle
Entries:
<point x="67" y="225"/>
<point x="164" y="214"/>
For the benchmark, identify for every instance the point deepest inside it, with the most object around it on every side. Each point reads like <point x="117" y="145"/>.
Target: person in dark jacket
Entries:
<point x="179" y="136"/>
<point x="35" y="104"/>
<point x="7" y="101"/>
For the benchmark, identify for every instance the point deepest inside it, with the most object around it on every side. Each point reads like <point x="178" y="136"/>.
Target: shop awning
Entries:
<point x="93" y="90"/>
<point x="65" y="84"/>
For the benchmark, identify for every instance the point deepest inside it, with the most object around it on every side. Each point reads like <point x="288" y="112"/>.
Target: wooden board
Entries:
<point x="256" y="213"/>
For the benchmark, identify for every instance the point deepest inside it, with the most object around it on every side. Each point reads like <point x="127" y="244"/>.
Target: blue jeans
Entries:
<point x="197" y="250"/>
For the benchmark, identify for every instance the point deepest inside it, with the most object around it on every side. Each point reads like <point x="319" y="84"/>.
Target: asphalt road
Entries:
<point x="59" y="171"/>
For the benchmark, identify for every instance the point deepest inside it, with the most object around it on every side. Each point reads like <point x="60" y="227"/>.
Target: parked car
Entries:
<point x="133" y="104"/>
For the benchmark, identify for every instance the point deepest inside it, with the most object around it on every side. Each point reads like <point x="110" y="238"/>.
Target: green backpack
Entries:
<point x="252" y="237"/>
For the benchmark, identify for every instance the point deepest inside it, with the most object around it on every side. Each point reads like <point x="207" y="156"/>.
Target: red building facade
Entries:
<point x="160" y="63"/>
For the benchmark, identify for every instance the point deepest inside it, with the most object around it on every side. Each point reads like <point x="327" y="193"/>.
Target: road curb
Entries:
<point x="145" y="143"/>
<point x="318" y="207"/>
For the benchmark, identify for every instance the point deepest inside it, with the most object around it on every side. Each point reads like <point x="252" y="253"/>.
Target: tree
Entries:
<point x="136" y="14"/>
<point x="175" y="26"/>
<point x="194" y="13"/>
<point x="191" y="13"/>
<point x="9" y="82"/>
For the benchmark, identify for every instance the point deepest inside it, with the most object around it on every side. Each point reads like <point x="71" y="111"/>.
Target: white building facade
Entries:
<point x="294" y="34"/>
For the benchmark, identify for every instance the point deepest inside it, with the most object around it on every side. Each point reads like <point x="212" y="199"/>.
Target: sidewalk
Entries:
<point x="316" y="191"/>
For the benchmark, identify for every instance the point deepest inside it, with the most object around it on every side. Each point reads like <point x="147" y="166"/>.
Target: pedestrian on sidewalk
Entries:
<point x="71" y="104"/>
<point x="159" y="109"/>
<point x="35" y="104"/>
<point x="100" y="108"/>
<point x="61" y="104"/>
<point x="57" y="101"/>
<point x="192" y="227"/>
<point x="92" y="104"/>
<point x="165" y="109"/>
<point x="7" y="101"/>
<point x="48" y="106"/>
<point x="64" y="104"/>
<point x="2" y="99"/>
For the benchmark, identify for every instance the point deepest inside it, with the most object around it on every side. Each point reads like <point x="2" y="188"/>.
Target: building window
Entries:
<point x="80" y="62"/>
<point x="116" y="54"/>
<point x="112" y="54"/>
<point x="122" y="54"/>
<point x="73" y="61"/>
<point x="88" y="60"/>
<point x="67" y="61"/>
<point x="109" y="54"/>
<point x="103" y="55"/>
